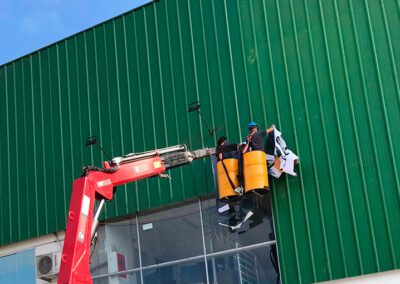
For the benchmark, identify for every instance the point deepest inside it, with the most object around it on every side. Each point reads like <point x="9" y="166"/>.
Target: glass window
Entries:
<point x="122" y="246"/>
<point x="219" y="228"/>
<point x="170" y="235"/>
<point x="257" y="266"/>
<point x="98" y="260"/>
<point x="8" y="271"/>
<point x="176" y="234"/>
<point x="116" y="248"/>
<point x="18" y="268"/>
<point x="193" y="272"/>
<point x="129" y="278"/>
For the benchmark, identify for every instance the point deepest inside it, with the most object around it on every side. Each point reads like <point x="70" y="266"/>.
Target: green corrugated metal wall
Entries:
<point x="325" y="72"/>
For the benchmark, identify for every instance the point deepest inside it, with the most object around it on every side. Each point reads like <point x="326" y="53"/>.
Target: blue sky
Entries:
<point x="27" y="25"/>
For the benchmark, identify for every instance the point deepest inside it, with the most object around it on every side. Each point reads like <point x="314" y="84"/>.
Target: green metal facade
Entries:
<point x="325" y="72"/>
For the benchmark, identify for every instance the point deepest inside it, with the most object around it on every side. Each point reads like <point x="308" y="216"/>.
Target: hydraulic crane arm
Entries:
<point x="99" y="183"/>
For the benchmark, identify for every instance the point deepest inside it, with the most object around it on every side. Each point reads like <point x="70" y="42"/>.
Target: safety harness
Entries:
<point x="227" y="175"/>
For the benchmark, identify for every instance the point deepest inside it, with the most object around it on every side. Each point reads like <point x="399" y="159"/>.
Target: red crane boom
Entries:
<point x="99" y="183"/>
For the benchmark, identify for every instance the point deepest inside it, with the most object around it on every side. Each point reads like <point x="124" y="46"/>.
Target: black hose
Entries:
<point x="88" y="169"/>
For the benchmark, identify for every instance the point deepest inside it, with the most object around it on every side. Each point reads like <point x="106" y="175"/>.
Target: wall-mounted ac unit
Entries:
<point x="48" y="266"/>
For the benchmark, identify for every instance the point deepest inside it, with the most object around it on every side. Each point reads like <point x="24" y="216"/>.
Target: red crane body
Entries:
<point x="99" y="184"/>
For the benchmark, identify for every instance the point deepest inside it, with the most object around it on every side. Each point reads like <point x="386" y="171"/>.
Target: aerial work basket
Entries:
<point x="255" y="172"/>
<point x="226" y="192"/>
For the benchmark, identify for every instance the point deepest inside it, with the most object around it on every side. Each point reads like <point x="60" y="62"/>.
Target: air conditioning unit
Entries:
<point x="48" y="266"/>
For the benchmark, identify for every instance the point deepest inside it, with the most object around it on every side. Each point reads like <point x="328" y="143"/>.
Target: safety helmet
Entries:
<point x="252" y="125"/>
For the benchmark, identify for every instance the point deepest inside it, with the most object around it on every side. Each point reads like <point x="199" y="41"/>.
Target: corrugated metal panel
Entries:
<point x="336" y="77"/>
<point x="326" y="73"/>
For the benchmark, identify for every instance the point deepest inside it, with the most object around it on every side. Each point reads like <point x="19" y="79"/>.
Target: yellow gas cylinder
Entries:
<point x="225" y="189"/>
<point x="255" y="171"/>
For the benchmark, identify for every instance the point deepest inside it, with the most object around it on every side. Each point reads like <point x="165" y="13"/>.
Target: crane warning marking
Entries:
<point x="83" y="219"/>
<point x="85" y="205"/>
<point x="141" y="168"/>
<point x="104" y="182"/>
<point x="82" y="228"/>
